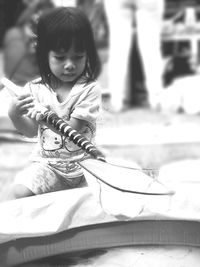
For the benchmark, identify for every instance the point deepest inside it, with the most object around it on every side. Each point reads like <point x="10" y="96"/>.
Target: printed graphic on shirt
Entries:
<point x="51" y="141"/>
<point x="54" y="145"/>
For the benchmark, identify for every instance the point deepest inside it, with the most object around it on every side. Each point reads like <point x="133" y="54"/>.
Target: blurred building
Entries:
<point x="181" y="38"/>
<point x="180" y="34"/>
<point x="174" y="6"/>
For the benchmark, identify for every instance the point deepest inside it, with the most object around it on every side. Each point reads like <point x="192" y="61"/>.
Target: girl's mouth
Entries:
<point x="69" y="73"/>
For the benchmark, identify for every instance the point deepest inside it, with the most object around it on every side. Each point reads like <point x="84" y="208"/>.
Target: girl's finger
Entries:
<point x="27" y="100"/>
<point x="33" y="114"/>
<point x="39" y="116"/>
<point x="27" y="106"/>
<point x="24" y="96"/>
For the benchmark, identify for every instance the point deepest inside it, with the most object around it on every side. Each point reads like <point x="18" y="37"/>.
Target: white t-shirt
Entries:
<point x="83" y="102"/>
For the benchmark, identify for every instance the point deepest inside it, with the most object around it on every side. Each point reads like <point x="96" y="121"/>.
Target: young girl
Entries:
<point x="69" y="65"/>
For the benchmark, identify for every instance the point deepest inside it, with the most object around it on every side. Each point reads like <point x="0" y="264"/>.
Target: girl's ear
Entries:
<point x="88" y="66"/>
<point x="34" y="40"/>
<point x="87" y="63"/>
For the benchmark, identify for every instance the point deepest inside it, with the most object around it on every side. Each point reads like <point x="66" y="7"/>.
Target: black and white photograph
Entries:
<point x="99" y="133"/>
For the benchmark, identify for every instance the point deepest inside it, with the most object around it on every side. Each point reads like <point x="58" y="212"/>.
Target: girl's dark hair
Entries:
<point x="57" y="29"/>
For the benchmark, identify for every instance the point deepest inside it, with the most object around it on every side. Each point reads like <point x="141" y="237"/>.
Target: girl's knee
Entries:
<point x="19" y="191"/>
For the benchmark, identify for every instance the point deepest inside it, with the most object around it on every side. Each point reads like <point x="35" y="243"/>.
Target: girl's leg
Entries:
<point x="19" y="191"/>
<point x="40" y="178"/>
<point x="27" y="183"/>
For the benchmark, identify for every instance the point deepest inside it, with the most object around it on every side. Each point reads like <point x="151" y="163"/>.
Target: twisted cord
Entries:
<point x="51" y="118"/>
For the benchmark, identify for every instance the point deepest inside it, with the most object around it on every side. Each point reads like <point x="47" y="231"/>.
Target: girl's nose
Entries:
<point x="69" y="65"/>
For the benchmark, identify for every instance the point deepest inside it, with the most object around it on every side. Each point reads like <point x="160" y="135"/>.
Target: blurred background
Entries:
<point x="179" y="41"/>
<point x="151" y="137"/>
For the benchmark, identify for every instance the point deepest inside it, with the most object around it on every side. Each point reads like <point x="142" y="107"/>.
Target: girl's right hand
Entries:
<point x="20" y="105"/>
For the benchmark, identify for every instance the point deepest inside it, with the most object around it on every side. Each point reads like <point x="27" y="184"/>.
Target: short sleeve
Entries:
<point x="38" y="91"/>
<point x="89" y="104"/>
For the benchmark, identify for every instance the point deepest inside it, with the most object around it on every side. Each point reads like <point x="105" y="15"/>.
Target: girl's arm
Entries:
<point x="77" y="124"/>
<point x="18" y="109"/>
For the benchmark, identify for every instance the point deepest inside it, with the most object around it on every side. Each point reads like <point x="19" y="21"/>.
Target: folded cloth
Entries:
<point x="59" y="211"/>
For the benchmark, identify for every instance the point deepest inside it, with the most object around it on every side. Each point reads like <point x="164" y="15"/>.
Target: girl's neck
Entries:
<point x="56" y="85"/>
<point x="62" y="90"/>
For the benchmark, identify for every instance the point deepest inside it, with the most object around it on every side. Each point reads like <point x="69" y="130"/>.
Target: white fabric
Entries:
<point x="123" y="203"/>
<point x="55" y="212"/>
<point x="49" y="213"/>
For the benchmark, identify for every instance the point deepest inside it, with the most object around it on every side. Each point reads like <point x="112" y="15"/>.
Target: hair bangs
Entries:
<point x="59" y="40"/>
<point x="66" y="34"/>
<point x="79" y="43"/>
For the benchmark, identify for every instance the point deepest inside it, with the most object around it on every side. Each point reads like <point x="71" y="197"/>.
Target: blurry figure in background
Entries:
<point x="9" y="13"/>
<point x="181" y="79"/>
<point x="179" y="65"/>
<point x="20" y="63"/>
<point x="121" y="16"/>
<point x="94" y="10"/>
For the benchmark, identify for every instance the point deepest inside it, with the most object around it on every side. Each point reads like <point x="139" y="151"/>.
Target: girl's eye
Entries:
<point x="79" y="57"/>
<point x="74" y="57"/>
<point x="60" y="58"/>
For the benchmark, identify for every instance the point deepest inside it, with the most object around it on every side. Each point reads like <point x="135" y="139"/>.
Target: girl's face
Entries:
<point x="67" y="66"/>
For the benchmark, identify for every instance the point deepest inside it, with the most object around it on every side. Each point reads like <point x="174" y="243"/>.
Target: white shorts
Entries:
<point x="43" y="178"/>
